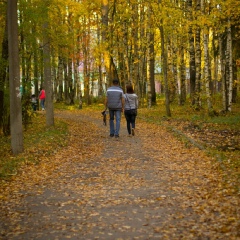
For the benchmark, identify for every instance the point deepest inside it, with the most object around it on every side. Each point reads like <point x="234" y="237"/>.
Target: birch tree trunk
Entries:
<point x="164" y="66"/>
<point x="14" y="77"/>
<point x="149" y="94"/>
<point x="78" y="84"/>
<point x="207" y="71"/>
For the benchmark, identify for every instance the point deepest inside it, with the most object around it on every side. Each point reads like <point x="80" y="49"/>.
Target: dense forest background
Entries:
<point x="181" y="49"/>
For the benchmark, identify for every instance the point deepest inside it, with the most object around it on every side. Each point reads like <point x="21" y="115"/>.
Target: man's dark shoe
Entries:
<point x="116" y="136"/>
<point x="111" y="135"/>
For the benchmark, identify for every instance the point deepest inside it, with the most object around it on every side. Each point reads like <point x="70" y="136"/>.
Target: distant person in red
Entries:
<point x="42" y="98"/>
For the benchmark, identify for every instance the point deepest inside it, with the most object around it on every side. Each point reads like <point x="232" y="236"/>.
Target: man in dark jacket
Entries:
<point x="115" y="103"/>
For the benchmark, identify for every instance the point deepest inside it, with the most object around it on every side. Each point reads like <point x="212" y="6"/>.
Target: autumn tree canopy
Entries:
<point x="175" y="48"/>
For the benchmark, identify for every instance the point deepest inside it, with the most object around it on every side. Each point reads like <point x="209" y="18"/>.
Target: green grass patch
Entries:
<point x="228" y="120"/>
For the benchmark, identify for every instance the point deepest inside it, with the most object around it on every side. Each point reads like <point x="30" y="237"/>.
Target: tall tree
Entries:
<point x="47" y="71"/>
<point x="107" y="32"/>
<point x="192" y="66"/>
<point x="164" y="65"/>
<point x="14" y="78"/>
<point x="182" y="87"/>
<point x="4" y="114"/>
<point x="207" y="69"/>
<point x="229" y="63"/>
<point x="198" y="60"/>
<point x="152" y="57"/>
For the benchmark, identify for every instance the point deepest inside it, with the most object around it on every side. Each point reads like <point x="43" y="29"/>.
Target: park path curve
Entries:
<point x="149" y="186"/>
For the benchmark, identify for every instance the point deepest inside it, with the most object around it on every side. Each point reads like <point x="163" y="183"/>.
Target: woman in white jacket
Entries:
<point x="130" y="109"/>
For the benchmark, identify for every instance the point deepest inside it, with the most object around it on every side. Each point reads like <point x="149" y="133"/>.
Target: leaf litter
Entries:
<point x="144" y="187"/>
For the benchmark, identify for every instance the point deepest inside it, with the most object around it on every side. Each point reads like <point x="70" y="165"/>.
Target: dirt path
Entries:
<point x="144" y="187"/>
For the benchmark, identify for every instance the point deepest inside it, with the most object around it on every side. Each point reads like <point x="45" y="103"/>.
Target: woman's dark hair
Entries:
<point x="129" y="89"/>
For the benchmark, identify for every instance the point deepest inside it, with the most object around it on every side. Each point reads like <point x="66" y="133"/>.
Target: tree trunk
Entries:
<point x="59" y="82"/>
<point x="223" y="76"/>
<point x="192" y="67"/>
<point x="149" y="93"/>
<point x="108" y="59"/>
<point x="70" y="82"/>
<point x="35" y="68"/>
<point x="152" y="69"/>
<point x="99" y="63"/>
<point x="164" y="67"/>
<point x="230" y="67"/>
<point x="3" y="76"/>
<point x="207" y="71"/>
<point x="235" y="85"/>
<point x="236" y="62"/>
<point x="14" y="77"/>
<point x="174" y="68"/>
<point x="47" y="76"/>
<point x="165" y="77"/>
<point x="136" y="62"/>
<point x="182" y="97"/>
<point x="152" y="59"/>
<point x="198" y="69"/>
<point x="149" y="75"/>
<point x="216" y="83"/>
<point x="65" y="79"/>
<point x="78" y="89"/>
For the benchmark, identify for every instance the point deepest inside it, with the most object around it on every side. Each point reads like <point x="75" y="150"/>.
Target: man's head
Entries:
<point x="115" y="81"/>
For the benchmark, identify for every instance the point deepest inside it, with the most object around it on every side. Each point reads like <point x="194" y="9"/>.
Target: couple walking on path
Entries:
<point x="118" y="102"/>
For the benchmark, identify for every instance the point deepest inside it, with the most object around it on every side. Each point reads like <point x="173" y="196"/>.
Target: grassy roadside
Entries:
<point x="39" y="141"/>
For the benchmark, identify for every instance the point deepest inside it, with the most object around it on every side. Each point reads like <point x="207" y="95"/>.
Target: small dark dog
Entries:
<point x="104" y="114"/>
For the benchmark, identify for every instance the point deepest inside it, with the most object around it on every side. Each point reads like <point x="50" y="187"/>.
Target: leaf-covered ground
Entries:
<point x="218" y="136"/>
<point x="209" y="135"/>
<point x="149" y="186"/>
